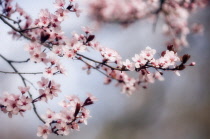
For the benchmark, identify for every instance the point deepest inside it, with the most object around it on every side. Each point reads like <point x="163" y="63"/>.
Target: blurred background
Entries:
<point x="177" y="108"/>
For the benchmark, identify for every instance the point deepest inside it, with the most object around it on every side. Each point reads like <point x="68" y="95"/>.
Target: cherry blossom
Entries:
<point x="139" y="60"/>
<point x="14" y="104"/>
<point x="43" y="131"/>
<point x="110" y="54"/>
<point x="48" y="89"/>
<point x="59" y="3"/>
<point x="148" y="53"/>
<point x="43" y="83"/>
<point x="77" y="10"/>
<point x="128" y="65"/>
<point x="23" y="90"/>
<point x="50" y="115"/>
<point x="68" y="118"/>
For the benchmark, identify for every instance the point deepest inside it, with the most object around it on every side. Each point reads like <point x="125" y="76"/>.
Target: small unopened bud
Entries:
<point x="170" y="47"/>
<point x="145" y="87"/>
<point x="185" y="58"/>
<point x="69" y="7"/>
<point x="163" y="53"/>
<point x="23" y="92"/>
<point x="192" y="64"/>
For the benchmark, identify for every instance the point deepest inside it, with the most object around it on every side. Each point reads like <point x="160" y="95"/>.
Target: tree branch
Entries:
<point x="24" y="82"/>
<point x="12" y="61"/>
<point x="6" y="72"/>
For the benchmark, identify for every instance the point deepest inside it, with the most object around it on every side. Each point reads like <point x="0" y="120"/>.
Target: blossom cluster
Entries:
<point x="48" y="89"/>
<point x="47" y="26"/>
<point x="8" y="10"/>
<point x="142" y="63"/>
<point x="175" y="14"/>
<point x="69" y="118"/>
<point x="13" y="104"/>
<point x="74" y="111"/>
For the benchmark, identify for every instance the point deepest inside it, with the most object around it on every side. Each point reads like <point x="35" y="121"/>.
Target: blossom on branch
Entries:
<point x="74" y="112"/>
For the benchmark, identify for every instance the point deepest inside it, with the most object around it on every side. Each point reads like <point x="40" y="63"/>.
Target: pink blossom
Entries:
<point x="139" y="60"/>
<point x="63" y="129"/>
<point x="44" y="18"/>
<point x="55" y="87"/>
<point x="50" y="71"/>
<point x="5" y="99"/>
<point x="128" y="65"/>
<point x="197" y="28"/>
<point x="75" y="126"/>
<point x="62" y="69"/>
<point x="79" y="47"/>
<point x="193" y="64"/>
<point x="37" y="56"/>
<point x="170" y="58"/>
<point x="64" y="104"/>
<point x="43" y="93"/>
<point x="77" y="10"/>
<point x="49" y="116"/>
<point x="59" y="3"/>
<point x="32" y="46"/>
<point x="92" y="97"/>
<point x="58" y="50"/>
<point x="148" y="53"/>
<point x="43" y="131"/>
<point x="24" y="103"/>
<point x="85" y="116"/>
<point x="43" y="83"/>
<point x="23" y="90"/>
<point x="110" y="54"/>
<point x="87" y="30"/>
<point x="12" y="109"/>
<point x="61" y="14"/>
<point x="67" y="115"/>
<point x="158" y="76"/>
<point x="73" y="98"/>
<point x="69" y="53"/>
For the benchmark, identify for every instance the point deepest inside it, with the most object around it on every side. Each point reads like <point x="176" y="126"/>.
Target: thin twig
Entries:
<point x="98" y="70"/>
<point x="24" y="61"/>
<point x="31" y="84"/>
<point x="101" y="63"/>
<point x="34" y="73"/>
<point x="24" y="82"/>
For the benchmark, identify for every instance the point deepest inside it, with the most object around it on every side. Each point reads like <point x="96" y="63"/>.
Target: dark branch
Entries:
<point x="34" y="73"/>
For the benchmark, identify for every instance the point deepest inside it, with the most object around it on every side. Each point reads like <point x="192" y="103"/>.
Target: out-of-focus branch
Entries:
<point x="157" y="13"/>
<point x="160" y="7"/>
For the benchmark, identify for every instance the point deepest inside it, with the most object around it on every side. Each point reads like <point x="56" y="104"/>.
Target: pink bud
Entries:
<point x="192" y="64"/>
